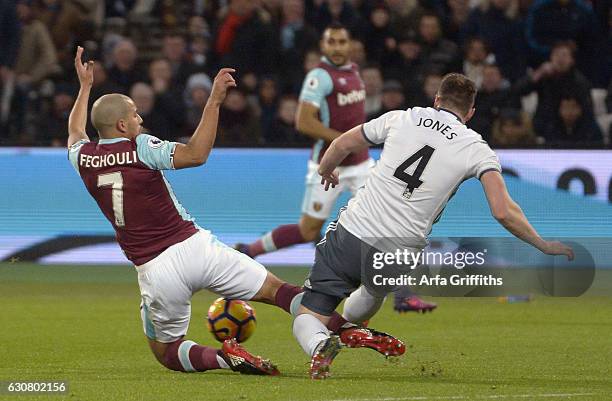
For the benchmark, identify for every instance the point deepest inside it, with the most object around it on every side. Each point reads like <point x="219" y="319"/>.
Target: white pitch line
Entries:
<point x="467" y="397"/>
<point x="551" y="395"/>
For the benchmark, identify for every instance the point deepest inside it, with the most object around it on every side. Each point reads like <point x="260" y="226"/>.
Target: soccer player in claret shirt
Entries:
<point x="174" y="257"/>
<point x="332" y="101"/>
<point x="428" y="153"/>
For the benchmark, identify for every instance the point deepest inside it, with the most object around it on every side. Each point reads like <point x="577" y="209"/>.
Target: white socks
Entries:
<point x="309" y="332"/>
<point x="222" y="363"/>
<point x="361" y="306"/>
<point x="295" y="304"/>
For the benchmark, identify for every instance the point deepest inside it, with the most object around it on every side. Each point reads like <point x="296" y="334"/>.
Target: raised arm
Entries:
<point x="78" y="115"/>
<point x="351" y="141"/>
<point x="196" y="151"/>
<point x="509" y="214"/>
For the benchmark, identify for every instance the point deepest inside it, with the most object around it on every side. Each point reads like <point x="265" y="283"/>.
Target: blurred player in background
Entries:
<point x="174" y="257"/>
<point x="332" y="101"/>
<point x="428" y="153"/>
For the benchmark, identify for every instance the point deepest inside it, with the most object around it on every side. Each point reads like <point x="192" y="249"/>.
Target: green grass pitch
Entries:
<point x="82" y="324"/>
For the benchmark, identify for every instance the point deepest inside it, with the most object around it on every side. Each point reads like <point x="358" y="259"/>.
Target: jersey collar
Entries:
<point x="450" y="112"/>
<point x="105" y="141"/>
<point x="344" y="67"/>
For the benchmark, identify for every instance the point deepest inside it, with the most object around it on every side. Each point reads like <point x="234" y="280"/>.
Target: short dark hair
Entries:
<point x="457" y="91"/>
<point x="336" y="26"/>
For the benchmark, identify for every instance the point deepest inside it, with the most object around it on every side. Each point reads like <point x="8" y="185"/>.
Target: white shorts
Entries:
<point x="168" y="282"/>
<point x="319" y="203"/>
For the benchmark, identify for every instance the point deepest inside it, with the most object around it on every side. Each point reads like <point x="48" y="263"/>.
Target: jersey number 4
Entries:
<point x="413" y="181"/>
<point x="115" y="181"/>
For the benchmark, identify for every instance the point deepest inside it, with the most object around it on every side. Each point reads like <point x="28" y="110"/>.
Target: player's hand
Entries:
<point x="223" y="81"/>
<point x="84" y="70"/>
<point x="329" y="180"/>
<point x="558" y="248"/>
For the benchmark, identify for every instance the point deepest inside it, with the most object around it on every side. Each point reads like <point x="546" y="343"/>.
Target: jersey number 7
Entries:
<point x="413" y="181"/>
<point x="115" y="181"/>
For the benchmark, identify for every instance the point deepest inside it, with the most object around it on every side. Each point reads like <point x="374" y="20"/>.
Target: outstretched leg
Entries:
<point x="288" y="297"/>
<point x="187" y="356"/>
<point x="167" y="284"/>
<point x="309" y="329"/>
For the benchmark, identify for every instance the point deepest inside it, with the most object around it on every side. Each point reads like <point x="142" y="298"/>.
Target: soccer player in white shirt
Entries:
<point x="428" y="153"/>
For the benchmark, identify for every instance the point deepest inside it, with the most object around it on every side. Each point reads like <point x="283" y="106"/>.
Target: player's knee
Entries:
<point x="267" y="292"/>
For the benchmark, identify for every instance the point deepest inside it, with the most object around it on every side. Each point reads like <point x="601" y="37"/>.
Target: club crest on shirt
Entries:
<point x="317" y="206"/>
<point x="155" y="143"/>
<point x="342" y="81"/>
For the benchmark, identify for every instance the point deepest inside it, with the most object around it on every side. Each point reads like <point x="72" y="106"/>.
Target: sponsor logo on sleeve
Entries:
<point x="155" y="143"/>
<point x="313" y="83"/>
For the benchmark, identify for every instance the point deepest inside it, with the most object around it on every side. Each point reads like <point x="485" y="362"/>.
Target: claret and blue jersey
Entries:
<point x="124" y="177"/>
<point x="339" y="94"/>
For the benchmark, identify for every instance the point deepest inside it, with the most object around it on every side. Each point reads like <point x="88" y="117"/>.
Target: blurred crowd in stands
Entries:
<point x="543" y="67"/>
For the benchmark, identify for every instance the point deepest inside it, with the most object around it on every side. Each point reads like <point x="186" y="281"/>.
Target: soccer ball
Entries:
<point x="231" y="318"/>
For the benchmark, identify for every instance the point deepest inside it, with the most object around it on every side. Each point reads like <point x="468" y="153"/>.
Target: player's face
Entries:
<point x="133" y="121"/>
<point x="335" y="45"/>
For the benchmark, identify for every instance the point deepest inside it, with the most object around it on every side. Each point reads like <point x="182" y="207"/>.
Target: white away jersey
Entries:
<point x="427" y="154"/>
